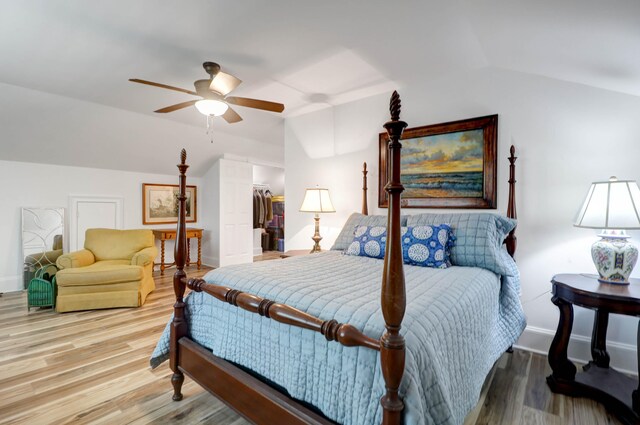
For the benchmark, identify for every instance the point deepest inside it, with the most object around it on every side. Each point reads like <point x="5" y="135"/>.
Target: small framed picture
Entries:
<point x="160" y="203"/>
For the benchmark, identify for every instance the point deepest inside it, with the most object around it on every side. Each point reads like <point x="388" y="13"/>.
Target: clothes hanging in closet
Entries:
<point x="256" y="209"/>
<point x="267" y="197"/>
<point x="262" y="208"/>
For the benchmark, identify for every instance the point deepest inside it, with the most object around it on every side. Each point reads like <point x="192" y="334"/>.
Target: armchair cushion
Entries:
<point x="100" y="273"/>
<point x="81" y="258"/>
<point x="145" y="256"/>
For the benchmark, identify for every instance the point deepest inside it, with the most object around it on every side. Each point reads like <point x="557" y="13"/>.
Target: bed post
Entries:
<point x="393" y="298"/>
<point x="179" y="324"/>
<point x="511" y="240"/>
<point x="365" y="207"/>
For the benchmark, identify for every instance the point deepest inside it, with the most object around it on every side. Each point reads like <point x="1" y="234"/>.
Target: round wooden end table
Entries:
<point x="619" y="393"/>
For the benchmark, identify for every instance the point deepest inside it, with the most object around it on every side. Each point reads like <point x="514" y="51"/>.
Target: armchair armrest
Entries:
<point x="81" y="258"/>
<point x="145" y="256"/>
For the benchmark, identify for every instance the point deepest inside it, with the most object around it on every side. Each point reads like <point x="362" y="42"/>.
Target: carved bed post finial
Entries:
<point x="183" y="156"/>
<point x="512" y="241"/>
<point x="365" y="207"/>
<point x="179" y="324"/>
<point x="393" y="297"/>
<point x="394" y="106"/>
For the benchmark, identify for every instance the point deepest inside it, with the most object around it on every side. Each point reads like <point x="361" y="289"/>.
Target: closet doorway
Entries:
<point x="268" y="209"/>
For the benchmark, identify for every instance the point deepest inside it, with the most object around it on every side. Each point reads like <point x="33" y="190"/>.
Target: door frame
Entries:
<point x="74" y="200"/>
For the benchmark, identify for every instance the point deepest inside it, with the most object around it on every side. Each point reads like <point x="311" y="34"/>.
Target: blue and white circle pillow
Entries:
<point x="368" y="241"/>
<point x="428" y="246"/>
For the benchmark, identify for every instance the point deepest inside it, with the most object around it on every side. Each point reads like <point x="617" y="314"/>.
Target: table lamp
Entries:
<point x="613" y="206"/>
<point x="317" y="201"/>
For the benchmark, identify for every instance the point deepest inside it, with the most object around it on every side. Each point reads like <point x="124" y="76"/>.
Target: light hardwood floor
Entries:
<point x="92" y="367"/>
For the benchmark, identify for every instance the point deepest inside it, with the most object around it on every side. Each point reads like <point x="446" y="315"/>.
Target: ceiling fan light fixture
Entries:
<point x="211" y="107"/>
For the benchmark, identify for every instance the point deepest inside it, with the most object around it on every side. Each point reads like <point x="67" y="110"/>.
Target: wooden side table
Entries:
<point x="170" y="234"/>
<point x="619" y="393"/>
<point x="295" y="253"/>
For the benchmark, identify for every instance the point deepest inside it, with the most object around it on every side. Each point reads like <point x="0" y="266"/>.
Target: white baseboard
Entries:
<point x="11" y="283"/>
<point x="257" y="251"/>
<point x="210" y="261"/>
<point x="538" y="340"/>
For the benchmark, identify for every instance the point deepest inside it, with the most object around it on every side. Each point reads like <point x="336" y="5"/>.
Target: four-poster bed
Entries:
<point x="265" y="402"/>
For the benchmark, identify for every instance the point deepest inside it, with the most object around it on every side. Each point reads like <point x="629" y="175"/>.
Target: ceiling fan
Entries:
<point x="213" y="92"/>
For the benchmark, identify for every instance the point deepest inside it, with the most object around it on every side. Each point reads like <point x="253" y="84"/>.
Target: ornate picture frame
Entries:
<point x="160" y="203"/>
<point x="448" y="165"/>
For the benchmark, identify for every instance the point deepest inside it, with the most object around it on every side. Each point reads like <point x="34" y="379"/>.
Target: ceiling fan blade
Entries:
<point x="224" y="83"/>
<point x="177" y="106"/>
<point x="162" y="86"/>
<point x="255" y="103"/>
<point x="231" y="116"/>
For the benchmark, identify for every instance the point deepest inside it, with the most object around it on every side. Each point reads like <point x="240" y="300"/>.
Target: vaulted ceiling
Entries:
<point x="307" y="55"/>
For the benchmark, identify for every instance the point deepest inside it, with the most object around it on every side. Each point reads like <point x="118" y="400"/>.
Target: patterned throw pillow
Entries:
<point x="427" y="246"/>
<point x="368" y="241"/>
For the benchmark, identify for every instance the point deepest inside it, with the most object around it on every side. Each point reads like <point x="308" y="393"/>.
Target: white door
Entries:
<point x="236" y="215"/>
<point x="92" y="213"/>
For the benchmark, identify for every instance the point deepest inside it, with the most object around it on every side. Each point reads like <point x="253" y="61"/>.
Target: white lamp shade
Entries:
<point x="317" y="200"/>
<point x="612" y="204"/>
<point x="211" y="107"/>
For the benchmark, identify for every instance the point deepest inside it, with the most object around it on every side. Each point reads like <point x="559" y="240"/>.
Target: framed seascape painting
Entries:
<point x="160" y="203"/>
<point x="449" y="165"/>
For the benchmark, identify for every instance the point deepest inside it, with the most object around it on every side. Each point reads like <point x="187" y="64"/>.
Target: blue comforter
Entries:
<point x="457" y="324"/>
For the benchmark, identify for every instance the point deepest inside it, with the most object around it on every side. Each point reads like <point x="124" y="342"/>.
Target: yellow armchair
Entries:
<point x="113" y="270"/>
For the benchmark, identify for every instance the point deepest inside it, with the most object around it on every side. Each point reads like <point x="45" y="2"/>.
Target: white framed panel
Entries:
<point x="92" y="212"/>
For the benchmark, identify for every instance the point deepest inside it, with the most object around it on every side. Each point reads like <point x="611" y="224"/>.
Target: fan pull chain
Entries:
<point x="210" y="127"/>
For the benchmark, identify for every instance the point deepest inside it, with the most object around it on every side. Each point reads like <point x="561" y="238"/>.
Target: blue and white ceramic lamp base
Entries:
<point x="614" y="257"/>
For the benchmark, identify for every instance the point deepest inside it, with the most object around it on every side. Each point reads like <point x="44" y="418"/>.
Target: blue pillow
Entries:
<point x="427" y="246"/>
<point x="368" y="241"/>
<point x="479" y="239"/>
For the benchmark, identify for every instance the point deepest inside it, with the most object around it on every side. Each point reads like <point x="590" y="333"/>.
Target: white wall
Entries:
<point x="273" y="176"/>
<point x="45" y="128"/>
<point x="566" y="135"/>
<point x="40" y="185"/>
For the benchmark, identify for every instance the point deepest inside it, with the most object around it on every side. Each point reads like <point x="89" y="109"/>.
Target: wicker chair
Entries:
<point x="41" y="291"/>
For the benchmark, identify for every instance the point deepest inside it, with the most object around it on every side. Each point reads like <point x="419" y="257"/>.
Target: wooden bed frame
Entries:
<point x="251" y="397"/>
